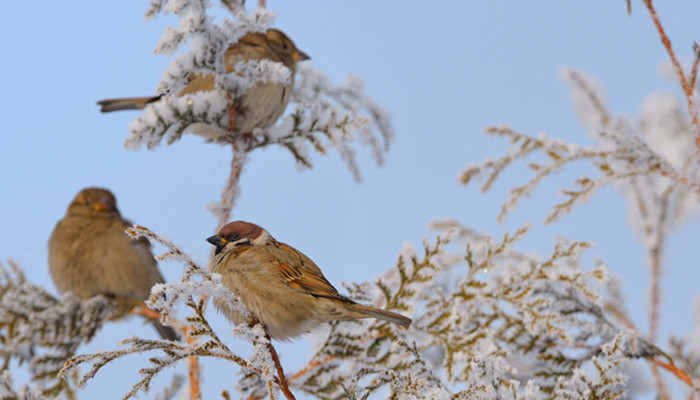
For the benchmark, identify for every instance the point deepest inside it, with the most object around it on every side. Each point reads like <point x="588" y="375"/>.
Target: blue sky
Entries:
<point x="444" y="73"/>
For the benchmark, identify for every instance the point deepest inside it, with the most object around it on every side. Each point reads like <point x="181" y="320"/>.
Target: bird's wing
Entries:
<point x="302" y="274"/>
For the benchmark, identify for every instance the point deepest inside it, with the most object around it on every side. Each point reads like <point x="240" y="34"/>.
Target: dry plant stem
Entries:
<point x="262" y="3"/>
<point x="681" y="179"/>
<point x="655" y="253"/>
<point x="280" y="372"/>
<point x="228" y="195"/>
<point x="685" y="83"/>
<point x="193" y="369"/>
<point x="694" y="69"/>
<point x="669" y="366"/>
<point x="682" y="375"/>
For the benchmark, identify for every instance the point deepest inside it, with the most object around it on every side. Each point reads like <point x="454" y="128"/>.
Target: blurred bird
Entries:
<point x="262" y="105"/>
<point x="90" y="254"/>
<point x="279" y="285"/>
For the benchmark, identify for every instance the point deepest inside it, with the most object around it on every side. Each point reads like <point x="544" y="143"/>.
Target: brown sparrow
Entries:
<point x="262" y="104"/>
<point x="90" y="254"/>
<point x="279" y="285"/>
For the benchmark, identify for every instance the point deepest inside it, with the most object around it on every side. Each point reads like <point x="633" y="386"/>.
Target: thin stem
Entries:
<point x="284" y="386"/>
<point x="231" y="190"/>
<point x="681" y="179"/>
<point x="686" y="84"/>
<point x="193" y="369"/>
<point x="682" y="375"/>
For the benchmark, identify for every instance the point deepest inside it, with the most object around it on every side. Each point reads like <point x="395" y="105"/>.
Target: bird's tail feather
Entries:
<point x="382" y="314"/>
<point x="166" y="332"/>
<point x="126" y="103"/>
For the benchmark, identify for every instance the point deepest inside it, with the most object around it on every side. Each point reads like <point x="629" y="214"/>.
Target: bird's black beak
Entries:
<point x="217" y="241"/>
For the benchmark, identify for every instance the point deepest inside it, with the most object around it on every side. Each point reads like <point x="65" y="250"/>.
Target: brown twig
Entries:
<point x="230" y="192"/>
<point x="696" y="60"/>
<point x="282" y="383"/>
<point x="686" y="84"/>
<point x="193" y="369"/>
<point x="681" y="179"/>
<point x="682" y="375"/>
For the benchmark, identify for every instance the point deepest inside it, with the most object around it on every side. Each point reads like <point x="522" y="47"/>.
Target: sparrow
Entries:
<point x="90" y="254"/>
<point x="262" y="105"/>
<point x="280" y="286"/>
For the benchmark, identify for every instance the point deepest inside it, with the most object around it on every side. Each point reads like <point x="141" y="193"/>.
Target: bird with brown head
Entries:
<point x="262" y="105"/>
<point x="279" y="285"/>
<point x="90" y="254"/>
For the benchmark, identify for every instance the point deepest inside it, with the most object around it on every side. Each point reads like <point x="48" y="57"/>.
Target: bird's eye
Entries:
<point x="235" y="237"/>
<point x="284" y="46"/>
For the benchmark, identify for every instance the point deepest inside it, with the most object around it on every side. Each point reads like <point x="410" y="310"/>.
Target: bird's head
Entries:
<point x="239" y="233"/>
<point x="94" y="201"/>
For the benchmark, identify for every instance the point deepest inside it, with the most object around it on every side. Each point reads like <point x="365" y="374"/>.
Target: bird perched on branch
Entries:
<point x="259" y="107"/>
<point x="279" y="285"/>
<point x="90" y="254"/>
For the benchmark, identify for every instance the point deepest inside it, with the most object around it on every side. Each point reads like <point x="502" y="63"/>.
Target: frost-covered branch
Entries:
<point x="24" y="392"/>
<point x="488" y="321"/>
<point x="687" y="81"/>
<point x="44" y="331"/>
<point x="650" y="153"/>
<point x="324" y="115"/>
<point x="328" y="116"/>
<point x="203" y="341"/>
<point x="650" y="159"/>
<point x="612" y="164"/>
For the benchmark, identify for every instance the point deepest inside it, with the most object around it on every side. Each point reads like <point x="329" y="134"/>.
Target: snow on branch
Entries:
<point x="489" y="322"/>
<point x="24" y="392"/>
<point x="328" y="116"/>
<point x="196" y="286"/>
<point x="323" y="115"/>
<point x="44" y="331"/>
<point x="642" y="157"/>
<point x="607" y="381"/>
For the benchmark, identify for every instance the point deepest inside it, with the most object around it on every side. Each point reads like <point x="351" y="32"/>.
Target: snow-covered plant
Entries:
<point x="653" y="159"/>
<point x="323" y="115"/>
<point x="44" y="331"/>
<point x="489" y="320"/>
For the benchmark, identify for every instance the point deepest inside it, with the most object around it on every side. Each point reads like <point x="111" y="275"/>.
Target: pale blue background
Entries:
<point x="443" y="71"/>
